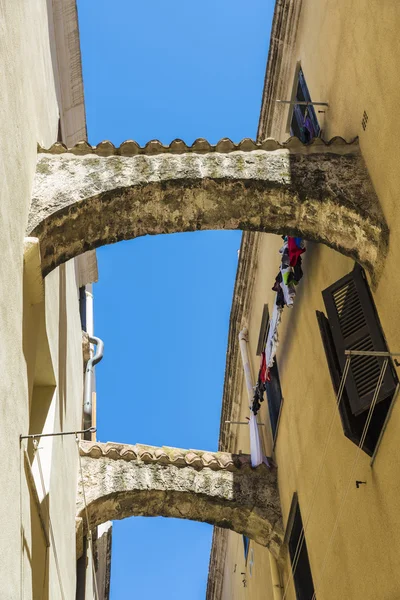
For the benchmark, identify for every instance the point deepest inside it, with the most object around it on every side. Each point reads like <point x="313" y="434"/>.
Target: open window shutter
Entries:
<point x="246" y="544"/>
<point x="355" y="326"/>
<point x="305" y="95"/>
<point x="274" y="397"/>
<point x="262" y="338"/>
<point x="351" y="424"/>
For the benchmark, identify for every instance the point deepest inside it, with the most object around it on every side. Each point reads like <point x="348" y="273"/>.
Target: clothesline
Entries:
<point x="289" y="276"/>
<point x="290" y="273"/>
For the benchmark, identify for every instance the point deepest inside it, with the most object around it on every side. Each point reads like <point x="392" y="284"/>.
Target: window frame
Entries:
<point x="291" y="527"/>
<point x="352" y="423"/>
<point x="355" y="324"/>
<point x="262" y="340"/>
<point x="293" y="97"/>
<point x="274" y="371"/>
<point x="262" y="337"/>
<point x="300" y="82"/>
<point x="246" y="547"/>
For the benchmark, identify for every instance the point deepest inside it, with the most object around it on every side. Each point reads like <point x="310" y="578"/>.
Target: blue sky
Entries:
<point x="165" y="70"/>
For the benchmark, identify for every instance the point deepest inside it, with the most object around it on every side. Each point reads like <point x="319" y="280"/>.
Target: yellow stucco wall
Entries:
<point x="245" y="581"/>
<point x="350" y="54"/>
<point x="41" y="344"/>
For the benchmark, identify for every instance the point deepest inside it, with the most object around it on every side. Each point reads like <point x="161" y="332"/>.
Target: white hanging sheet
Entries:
<point x="256" y="453"/>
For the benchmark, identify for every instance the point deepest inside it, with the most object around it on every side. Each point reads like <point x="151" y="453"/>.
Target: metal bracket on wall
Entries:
<point x="370" y="353"/>
<point x="302" y="102"/>
<point x="395" y="395"/>
<point x="378" y="443"/>
<point x="40" y="435"/>
<point x="241" y="423"/>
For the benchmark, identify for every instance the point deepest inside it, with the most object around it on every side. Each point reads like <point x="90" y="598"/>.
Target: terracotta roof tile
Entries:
<point x="197" y="459"/>
<point x="199" y="146"/>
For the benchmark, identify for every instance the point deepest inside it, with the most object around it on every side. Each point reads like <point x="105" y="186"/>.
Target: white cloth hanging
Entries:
<point x="255" y="441"/>
<point x="289" y="291"/>
<point x="288" y="294"/>
<point x="256" y="452"/>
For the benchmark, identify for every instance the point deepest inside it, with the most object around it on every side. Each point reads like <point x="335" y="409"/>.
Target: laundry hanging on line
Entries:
<point x="289" y="275"/>
<point x="267" y="359"/>
<point x="290" y="271"/>
<point x="263" y="377"/>
<point x="295" y="247"/>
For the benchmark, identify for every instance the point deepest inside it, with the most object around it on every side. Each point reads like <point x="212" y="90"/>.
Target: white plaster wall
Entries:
<point x="29" y="114"/>
<point x="65" y="340"/>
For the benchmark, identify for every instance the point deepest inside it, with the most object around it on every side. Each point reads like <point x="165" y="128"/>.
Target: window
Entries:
<point x="262" y="338"/>
<point x="273" y="387"/>
<point x="81" y="573"/>
<point x="82" y="306"/>
<point x="59" y="132"/>
<point x="274" y="397"/>
<point x="304" y="123"/>
<point x="246" y="544"/>
<point x="302" y="577"/>
<point x="353" y="324"/>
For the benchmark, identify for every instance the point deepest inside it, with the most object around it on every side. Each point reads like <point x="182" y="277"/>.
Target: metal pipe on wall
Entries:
<point x="89" y="376"/>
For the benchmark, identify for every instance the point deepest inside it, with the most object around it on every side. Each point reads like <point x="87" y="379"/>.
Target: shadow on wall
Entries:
<point x="334" y="203"/>
<point x="39" y="552"/>
<point x="40" y="373"/>
<point x="41" y="386"/>
<point x="62" y="346"/>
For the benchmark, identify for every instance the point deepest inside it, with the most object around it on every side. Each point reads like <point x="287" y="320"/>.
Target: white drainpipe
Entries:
<point x="89" y="311"/>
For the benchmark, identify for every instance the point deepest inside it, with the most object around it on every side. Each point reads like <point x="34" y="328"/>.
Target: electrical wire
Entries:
<point x="89" y="532"/>
<point x="317" y="478"/>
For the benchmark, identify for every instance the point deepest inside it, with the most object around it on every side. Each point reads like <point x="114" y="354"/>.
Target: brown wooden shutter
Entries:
<point x="355" y="326"/>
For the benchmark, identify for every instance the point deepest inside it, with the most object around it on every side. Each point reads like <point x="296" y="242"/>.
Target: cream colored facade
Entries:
<point x="349" y="52"/>
<point x="41" y="358"/>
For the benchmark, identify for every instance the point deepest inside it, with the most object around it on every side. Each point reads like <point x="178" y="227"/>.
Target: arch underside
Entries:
<point x="180" y="485"/>
<point x="322" y="194"/>
<point x="190" y="505"/>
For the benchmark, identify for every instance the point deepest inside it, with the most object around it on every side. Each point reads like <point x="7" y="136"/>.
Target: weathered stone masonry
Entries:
<point x="218" y="488"/>
<point x="87" y="197"/>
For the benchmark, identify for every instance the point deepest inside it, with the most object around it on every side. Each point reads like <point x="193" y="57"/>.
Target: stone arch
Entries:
<point x="86" y="197"/>
<point x="219" y="488"/>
